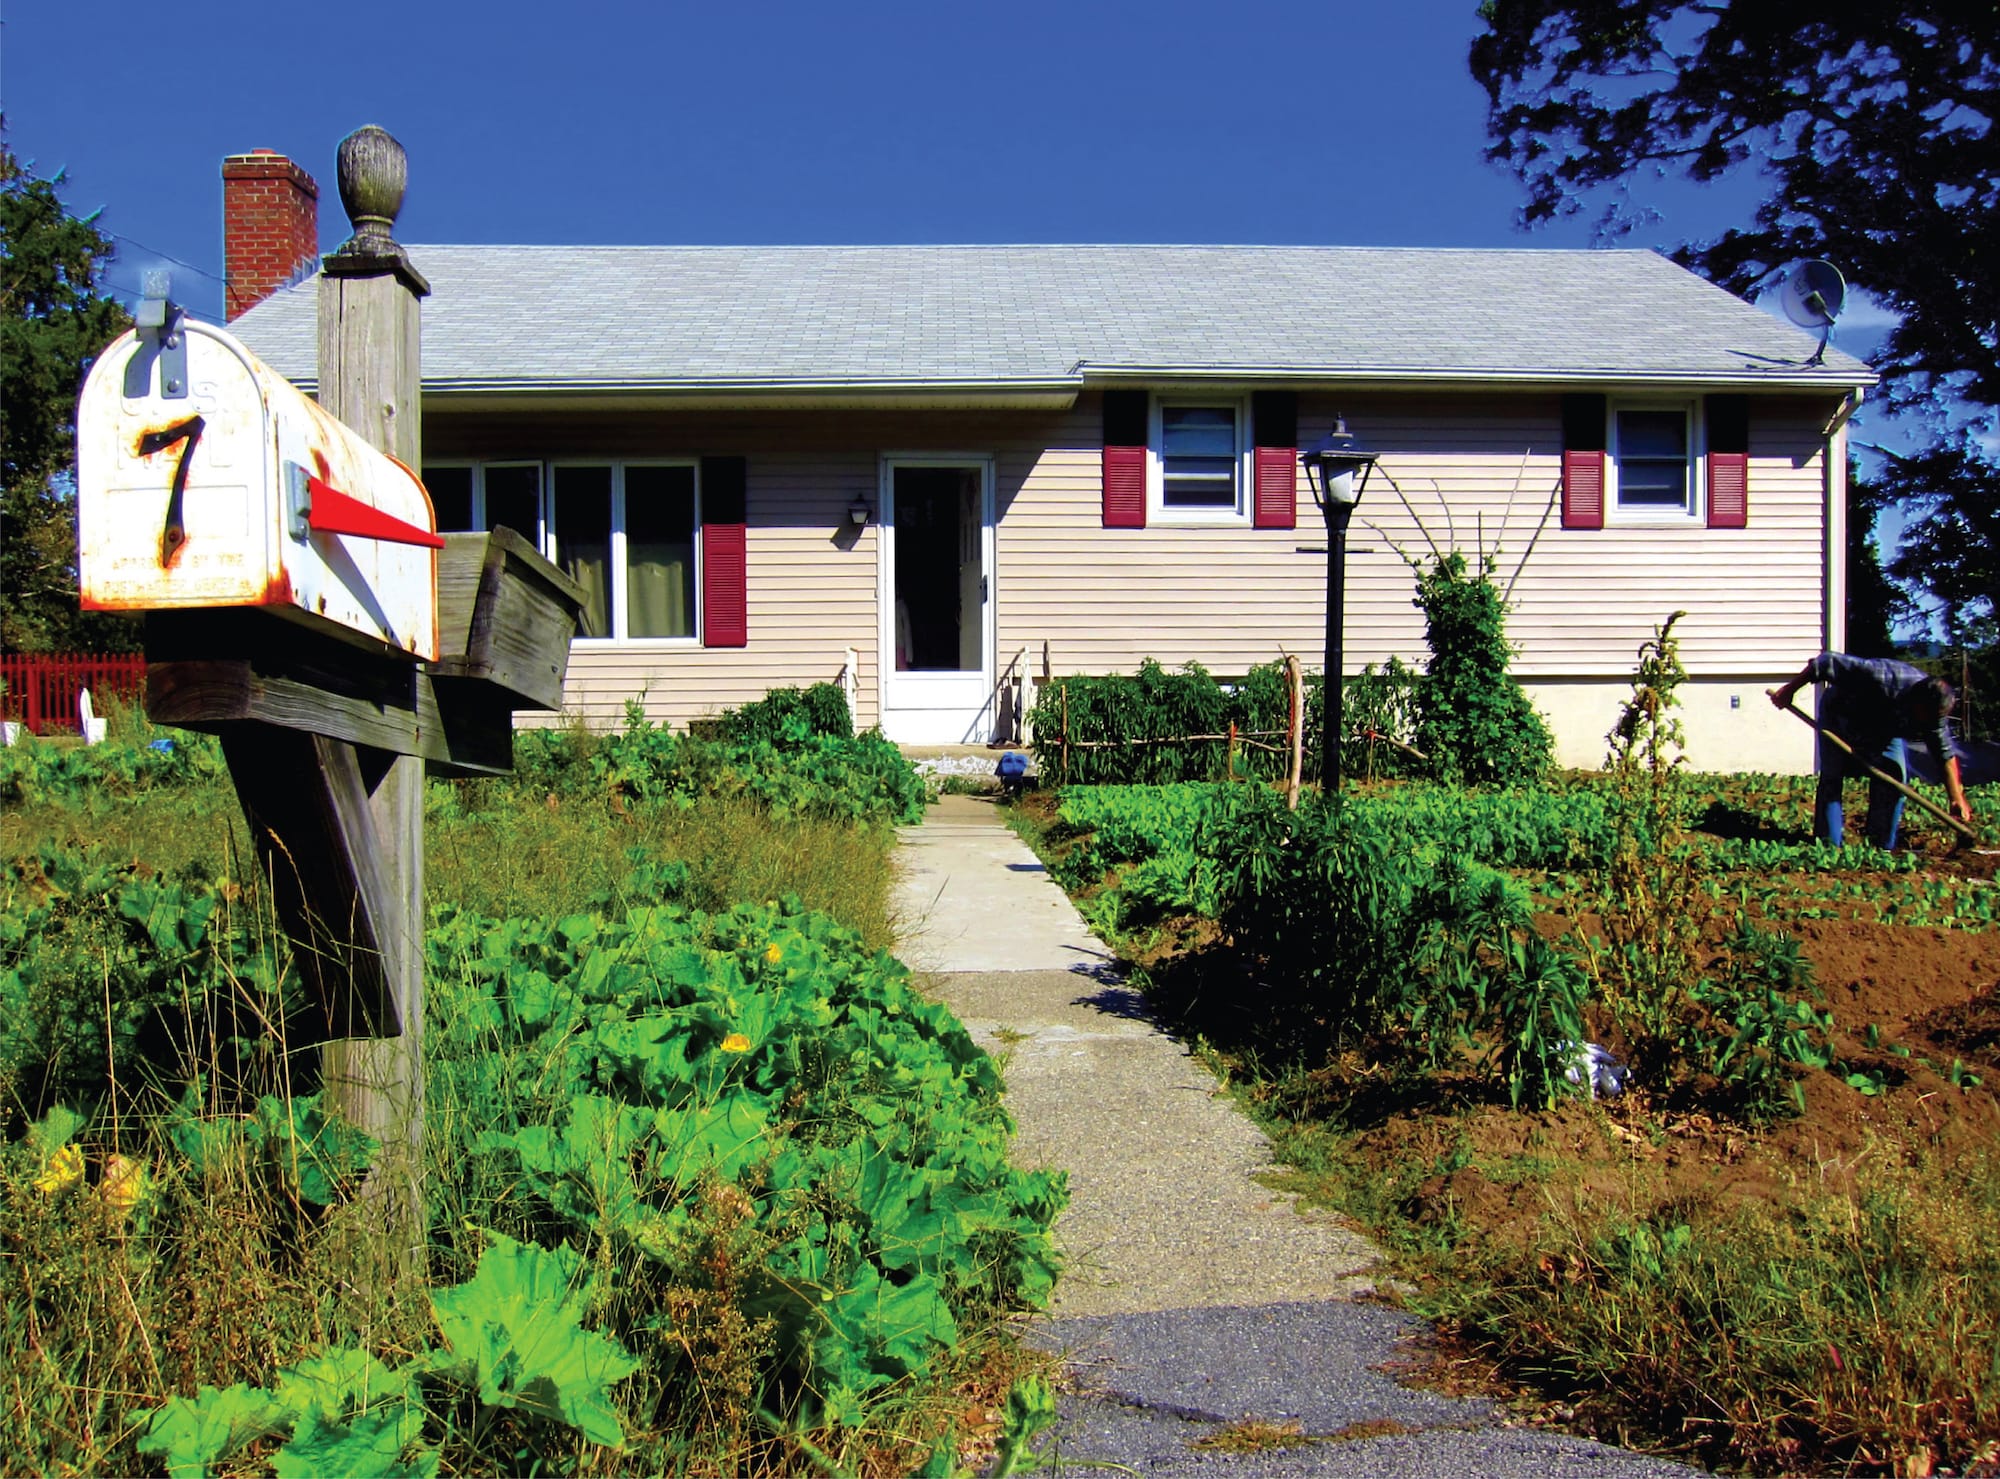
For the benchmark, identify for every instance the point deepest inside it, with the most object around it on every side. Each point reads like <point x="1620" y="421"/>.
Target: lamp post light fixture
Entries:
<point x="1337" y="468"/>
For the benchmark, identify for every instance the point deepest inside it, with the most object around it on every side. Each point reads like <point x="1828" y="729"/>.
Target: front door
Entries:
<point x="937" y="600"/>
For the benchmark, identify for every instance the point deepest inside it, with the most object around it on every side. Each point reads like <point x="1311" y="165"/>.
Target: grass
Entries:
<point x="489" y="850"/>
<point x="1837" y="1325"/>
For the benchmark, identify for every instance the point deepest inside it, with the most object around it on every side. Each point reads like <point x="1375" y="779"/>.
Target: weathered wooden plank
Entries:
<point x="506" y="615"/>
<point x="306" y="799"/>
<point x="478" y="728"/>
<point x="221" y="693"/>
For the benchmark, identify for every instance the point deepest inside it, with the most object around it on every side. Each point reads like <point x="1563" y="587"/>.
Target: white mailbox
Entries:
<point x="206" y="479"/>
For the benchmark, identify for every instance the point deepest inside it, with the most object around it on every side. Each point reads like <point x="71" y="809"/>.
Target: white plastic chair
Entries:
<point x="94" y="728"/>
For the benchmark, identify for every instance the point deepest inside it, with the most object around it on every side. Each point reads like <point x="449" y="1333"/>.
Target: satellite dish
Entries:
<point x="1813" y="297"/>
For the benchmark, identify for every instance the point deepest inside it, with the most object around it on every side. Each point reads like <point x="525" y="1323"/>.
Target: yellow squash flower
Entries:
<point x="124" y="1183"/>
<point x="65" y="1168"/>
<point x="736" y="1042"/>
<point x="772" y="953"/>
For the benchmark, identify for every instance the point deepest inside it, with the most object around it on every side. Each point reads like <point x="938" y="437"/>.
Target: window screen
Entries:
<point x="1198" y="456"/>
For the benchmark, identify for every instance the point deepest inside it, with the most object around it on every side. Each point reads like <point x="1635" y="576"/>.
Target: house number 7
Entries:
<point x="187" y="433"/>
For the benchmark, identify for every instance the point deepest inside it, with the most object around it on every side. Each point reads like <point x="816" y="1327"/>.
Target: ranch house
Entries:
<point x="936" y="473"/>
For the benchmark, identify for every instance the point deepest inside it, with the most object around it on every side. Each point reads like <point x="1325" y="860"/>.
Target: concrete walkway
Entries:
<point x="1192" y="1297"/>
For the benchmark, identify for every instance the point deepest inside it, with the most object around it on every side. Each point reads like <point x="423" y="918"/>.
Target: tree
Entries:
<point x="1873" y="600"/>
<point x="53" y="322"/>
<point x="1873" y="128"/>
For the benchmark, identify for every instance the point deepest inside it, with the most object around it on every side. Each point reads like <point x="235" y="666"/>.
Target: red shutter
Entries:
<point x="1583" y="421"/>
<point x="725" y="569"/>
<point x="1583" y="490"/>
<point x="1728" y="418"/>
<point x="1728" y="490"/>
<point x="1124" y="487"/>
<point x="1275" y="466"/>
<point x="1125" y="459"/>
<point x="1276" y="496"/>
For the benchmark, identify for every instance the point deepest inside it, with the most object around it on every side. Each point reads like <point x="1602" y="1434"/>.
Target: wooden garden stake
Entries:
<point x="1065" y="734"/>
<point x="1295" y="730"/>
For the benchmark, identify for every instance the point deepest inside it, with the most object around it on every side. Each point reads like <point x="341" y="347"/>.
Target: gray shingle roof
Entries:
<point x="556" y="317"/>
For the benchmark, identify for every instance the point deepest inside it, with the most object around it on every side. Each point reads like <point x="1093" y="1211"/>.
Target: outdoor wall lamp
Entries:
<point x="857" y="513"/>
<point x="1337" y="468"/>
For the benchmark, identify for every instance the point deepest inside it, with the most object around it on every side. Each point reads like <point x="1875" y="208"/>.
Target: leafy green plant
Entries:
<point x="513" y="1340"/>
<point x="845" y="777"/>
<point x="1473" y="720"/>
<point x="786" y="717"/>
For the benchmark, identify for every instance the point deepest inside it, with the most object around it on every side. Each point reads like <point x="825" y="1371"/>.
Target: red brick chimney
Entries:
<point x="270" y="227"/>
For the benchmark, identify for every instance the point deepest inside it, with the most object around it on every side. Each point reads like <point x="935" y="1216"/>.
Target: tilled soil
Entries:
<point x="1934" y="992"/>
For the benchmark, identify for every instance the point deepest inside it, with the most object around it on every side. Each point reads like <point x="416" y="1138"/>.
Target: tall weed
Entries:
<point x="1855" y="1330"/>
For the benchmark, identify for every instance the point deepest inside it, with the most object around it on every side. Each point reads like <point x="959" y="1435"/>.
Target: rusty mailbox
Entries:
<point x="207" y="480"/>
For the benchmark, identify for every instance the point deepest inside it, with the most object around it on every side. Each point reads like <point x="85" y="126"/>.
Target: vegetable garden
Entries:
<point x="1769" y="1238"/>
<point x="710" y="1188"/>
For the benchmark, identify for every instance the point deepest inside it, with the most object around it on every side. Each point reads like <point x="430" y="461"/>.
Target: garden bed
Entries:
<point x="1810" y="1286"/>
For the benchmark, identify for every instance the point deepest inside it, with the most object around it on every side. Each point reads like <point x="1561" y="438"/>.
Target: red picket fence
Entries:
<point x="39" y="689"/>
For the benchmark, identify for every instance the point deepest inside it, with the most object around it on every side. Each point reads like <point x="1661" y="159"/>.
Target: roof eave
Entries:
<point x="1785" y="377"/>
<point x="774" y="392"/>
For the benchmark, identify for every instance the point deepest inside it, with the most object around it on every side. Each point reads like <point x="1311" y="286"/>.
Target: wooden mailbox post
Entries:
<point x="301" y="605"/>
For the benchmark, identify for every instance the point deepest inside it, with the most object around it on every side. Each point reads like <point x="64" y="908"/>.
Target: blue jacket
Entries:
<point x="1863" y="702"/>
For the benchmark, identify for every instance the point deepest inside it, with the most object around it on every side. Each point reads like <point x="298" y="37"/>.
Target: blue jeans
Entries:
<point x="1885" y="804"/>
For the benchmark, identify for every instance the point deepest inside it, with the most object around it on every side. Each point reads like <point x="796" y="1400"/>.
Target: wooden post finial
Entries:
<point x="373" y="172"/>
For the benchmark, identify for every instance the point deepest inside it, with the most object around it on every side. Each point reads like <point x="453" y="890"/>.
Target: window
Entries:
<point x="1199" y="476"/>
<point x="1652" y="464"/>
<point x="624" y="531"/>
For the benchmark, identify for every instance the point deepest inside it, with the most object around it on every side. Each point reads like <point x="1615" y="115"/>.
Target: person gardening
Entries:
<point x="1876" y="704"/>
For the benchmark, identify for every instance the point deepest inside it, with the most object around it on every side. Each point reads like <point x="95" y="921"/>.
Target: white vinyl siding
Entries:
<point x="1477" y="467"/>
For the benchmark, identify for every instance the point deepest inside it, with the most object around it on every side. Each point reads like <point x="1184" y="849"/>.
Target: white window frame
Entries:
<point x="1158" y="510"/>
<point x="1657" y="515"/>
<point x="546" y="533"/>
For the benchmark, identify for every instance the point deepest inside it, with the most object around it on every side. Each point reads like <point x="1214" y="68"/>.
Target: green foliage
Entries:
<point x="1157" y="829"/>
<point x="1152" y="705"/>
<point x="609" y="1073"/>
<point x="860" y="778"/>
<point x="513" y="1336"/>
<point x="1139" y="724"/>
<point x="784" y="1172"/>
<point x="786" y="717"/>
<point x="1358" y="939"/>
<point x="104" y="963"/>
<point x="309" y="1155"/>
<point x="1465" y="719"/>
<point x="1473" y="720"/>
<point x="36" y="772"/>
<point x="52" y="324"/>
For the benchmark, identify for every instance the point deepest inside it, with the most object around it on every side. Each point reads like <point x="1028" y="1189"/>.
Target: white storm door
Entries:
<point x="936" y="584"/>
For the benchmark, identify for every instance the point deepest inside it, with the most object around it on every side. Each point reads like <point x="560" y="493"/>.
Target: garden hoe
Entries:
<point x="1966" y="834"/>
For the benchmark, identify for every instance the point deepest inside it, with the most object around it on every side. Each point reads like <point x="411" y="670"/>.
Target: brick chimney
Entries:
<point x="270" y="227"/>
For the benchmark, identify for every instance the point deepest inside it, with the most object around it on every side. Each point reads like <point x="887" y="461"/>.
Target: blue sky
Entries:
<point x="1269" y="121"/>
<point x="1090" y="120"/>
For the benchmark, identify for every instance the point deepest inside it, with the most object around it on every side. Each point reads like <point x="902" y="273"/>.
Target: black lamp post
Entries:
<point x="1337" y="467"/>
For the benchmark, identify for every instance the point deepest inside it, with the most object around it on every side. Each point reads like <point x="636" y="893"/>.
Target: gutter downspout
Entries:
<point x="1834" y="618"/>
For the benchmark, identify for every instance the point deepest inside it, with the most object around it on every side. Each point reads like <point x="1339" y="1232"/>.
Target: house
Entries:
<point x="930" y="472"/>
